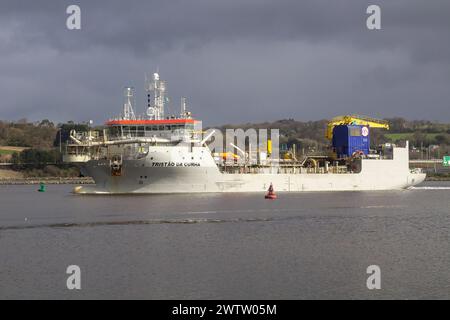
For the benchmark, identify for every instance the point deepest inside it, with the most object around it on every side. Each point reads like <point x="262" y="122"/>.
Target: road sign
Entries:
<point x="446" y="161"/>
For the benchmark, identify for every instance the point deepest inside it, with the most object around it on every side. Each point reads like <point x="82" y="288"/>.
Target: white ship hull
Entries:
<point x="163" y="171"/>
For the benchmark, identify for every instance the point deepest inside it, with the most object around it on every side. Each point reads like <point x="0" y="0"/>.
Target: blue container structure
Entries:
<point x="350" y="139"/>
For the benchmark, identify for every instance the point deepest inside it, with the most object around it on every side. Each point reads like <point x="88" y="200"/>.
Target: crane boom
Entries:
<point x="355" y="120"/>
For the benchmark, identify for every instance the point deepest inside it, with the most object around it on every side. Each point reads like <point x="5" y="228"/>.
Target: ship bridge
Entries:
<point x="173" y="129"/>
<point x="155" y="124"/>
<point x="129" y="132"/>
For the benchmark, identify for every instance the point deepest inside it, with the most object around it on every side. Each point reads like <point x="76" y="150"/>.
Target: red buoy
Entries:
<point x="270" y="193"/>
<point x="272" y="196"/>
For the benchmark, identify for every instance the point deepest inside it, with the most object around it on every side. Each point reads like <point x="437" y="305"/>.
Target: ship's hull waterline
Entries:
<point x="253" y="183"/>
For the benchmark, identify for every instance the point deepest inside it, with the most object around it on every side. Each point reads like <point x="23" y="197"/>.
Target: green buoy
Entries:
<point x="41" y="187"/>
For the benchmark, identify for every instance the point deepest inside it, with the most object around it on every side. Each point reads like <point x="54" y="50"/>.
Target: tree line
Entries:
<point x="45" y="138"/>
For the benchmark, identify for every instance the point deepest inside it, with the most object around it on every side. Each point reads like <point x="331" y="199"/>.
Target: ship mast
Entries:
<point x="183" y="107"/>
<point x="184" y="114"/>
<point x="156" y="87"/>
<point x="128" y="112"/>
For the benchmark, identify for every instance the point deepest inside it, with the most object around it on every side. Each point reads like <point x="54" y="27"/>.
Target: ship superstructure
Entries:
<point x="160" y="153"/>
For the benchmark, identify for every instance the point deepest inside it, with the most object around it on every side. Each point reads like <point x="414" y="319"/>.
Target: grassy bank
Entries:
<point x="47" y="175"/>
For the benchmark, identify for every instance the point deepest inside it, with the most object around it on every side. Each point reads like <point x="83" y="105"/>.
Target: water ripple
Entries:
<point x="132" y="222"/>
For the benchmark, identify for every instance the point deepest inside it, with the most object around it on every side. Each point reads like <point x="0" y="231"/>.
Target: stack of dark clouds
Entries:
<point x="235" y="60"/>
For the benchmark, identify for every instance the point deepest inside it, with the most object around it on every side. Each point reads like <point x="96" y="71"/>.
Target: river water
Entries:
<point x="225" y="246"/>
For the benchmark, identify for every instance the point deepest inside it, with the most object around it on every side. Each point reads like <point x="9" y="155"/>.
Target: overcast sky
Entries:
<point x="236" y="60"/>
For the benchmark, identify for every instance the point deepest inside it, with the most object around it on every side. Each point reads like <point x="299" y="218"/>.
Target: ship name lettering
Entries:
<point x="163" y="164"/>
<point x="192" y="164"/>
<point x="175" y="164"/>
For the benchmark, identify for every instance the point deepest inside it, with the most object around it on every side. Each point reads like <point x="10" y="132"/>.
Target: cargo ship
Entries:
<point x="156" y="153"/>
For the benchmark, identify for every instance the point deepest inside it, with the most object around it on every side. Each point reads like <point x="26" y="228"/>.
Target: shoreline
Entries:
<point x="437" y="178"/>
<point x="46" y="180"/>
<point x="89" y="180"/>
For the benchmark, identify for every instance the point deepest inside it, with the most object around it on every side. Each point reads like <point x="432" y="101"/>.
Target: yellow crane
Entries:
<point x="355" y="120"/>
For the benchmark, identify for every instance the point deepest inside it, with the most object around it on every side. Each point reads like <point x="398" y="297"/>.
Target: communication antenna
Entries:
<point x="128" y="112"/>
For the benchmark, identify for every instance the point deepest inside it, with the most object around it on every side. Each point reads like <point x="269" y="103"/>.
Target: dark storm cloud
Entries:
<point x="237" y="61"/>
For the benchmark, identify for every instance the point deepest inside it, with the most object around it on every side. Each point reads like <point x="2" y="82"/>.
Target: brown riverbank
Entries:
<point x="437" y="178"/>
<point x="46" y="180"/>
<point x="8" y="176"/>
